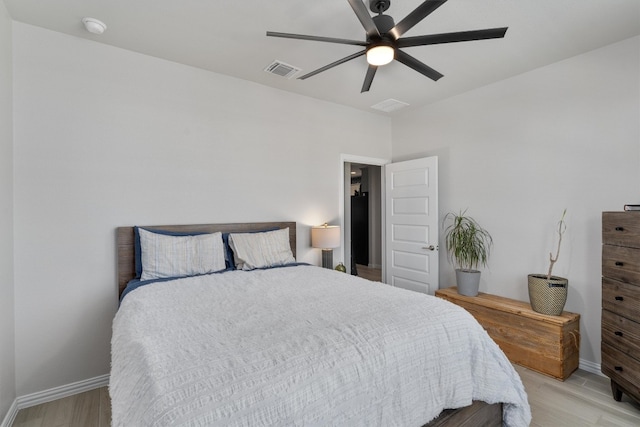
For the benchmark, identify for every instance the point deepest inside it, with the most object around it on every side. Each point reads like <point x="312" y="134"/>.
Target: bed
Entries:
<point x="296" y="345"/>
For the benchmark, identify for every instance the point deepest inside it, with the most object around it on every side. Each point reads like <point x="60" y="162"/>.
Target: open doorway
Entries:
<point x="408" y="191"/>
<point x="363" y="220"/>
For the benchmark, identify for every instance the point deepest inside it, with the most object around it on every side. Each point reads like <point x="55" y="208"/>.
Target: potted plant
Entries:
<point x="548" y="293"/>
<point x="467" y="245"/>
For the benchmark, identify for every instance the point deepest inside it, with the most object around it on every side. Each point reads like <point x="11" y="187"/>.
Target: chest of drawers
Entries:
<point x="621" y="302"/>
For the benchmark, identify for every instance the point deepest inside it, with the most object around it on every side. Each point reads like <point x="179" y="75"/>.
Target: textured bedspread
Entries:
<point x="301" y="346"/>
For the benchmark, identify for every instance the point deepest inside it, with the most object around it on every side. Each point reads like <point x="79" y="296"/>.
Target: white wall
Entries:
<point x="106" y="137"/>
<point x="518" y="152"/>
<point x="7" y="347"/>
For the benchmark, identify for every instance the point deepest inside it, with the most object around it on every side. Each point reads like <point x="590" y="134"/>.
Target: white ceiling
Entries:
<point x="228" y="37"/>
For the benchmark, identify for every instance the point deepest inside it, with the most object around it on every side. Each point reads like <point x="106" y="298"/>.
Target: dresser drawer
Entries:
<point x="622" y="369"/>
<point x="621" y="263"/>
<point x="621" y="333"/>
<point x="621" y="228"/>
<point x="621" y="298"/>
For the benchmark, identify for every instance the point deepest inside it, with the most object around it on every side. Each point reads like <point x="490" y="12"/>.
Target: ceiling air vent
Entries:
<point x="389" y="105"/>
<point x="281" y="69"/>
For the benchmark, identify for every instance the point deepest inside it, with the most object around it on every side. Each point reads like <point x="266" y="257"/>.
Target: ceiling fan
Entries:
<point x="384" y="38"/>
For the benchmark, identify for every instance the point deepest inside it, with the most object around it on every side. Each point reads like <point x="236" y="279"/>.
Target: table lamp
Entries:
<point x="326" y="237"/>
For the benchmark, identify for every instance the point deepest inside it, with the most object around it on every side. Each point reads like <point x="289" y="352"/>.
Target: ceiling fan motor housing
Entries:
<point x="379" y="6"/>
<point x="384" y="23"/>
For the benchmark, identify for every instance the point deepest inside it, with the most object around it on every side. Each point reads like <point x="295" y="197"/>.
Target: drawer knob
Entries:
<point x="619" y="228"/>
<point x="618" y="333"/>
<point x="619" y="263"/>
<point x="618" y="368"/>
<point x="619" y="298"/>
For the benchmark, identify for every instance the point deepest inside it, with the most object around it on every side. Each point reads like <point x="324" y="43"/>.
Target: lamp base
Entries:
<point x="327" y="258"/>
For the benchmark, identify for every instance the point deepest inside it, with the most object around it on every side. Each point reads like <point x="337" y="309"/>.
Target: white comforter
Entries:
<point x="301" y="346"/>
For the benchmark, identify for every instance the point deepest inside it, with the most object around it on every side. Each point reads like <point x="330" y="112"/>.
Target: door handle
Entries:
<point x="429" y="248"/>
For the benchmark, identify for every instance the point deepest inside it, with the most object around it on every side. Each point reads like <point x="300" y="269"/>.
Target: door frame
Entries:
<point x="342" y="204"/>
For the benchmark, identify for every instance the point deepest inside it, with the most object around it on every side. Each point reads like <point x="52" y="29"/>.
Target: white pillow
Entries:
<point x="178" y="256"/>
<point x="259" y="250"/>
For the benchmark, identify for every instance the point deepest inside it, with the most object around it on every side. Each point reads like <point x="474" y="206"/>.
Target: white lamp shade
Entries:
<point x="325" y="236"/>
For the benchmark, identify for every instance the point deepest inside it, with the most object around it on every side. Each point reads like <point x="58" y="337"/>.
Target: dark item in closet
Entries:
<point x="360" y="228"/>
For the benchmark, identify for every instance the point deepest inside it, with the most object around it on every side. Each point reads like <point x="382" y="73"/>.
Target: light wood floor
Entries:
<point x="583" y="400"/>
<point x="89" y="409"/>
<point x="369" y="273"/>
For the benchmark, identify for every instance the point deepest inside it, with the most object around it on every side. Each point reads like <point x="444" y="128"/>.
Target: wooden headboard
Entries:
<point x="126" y="249"/>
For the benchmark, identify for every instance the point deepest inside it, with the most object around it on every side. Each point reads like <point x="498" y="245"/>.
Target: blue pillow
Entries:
<point x="138" y="249"/>
<point x="228" y="252"/>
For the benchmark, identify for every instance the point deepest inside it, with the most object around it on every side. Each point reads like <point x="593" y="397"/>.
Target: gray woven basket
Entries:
<point x="547" y="296"/>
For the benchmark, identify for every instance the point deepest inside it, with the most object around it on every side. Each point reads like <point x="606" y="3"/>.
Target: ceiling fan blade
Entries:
<point x="418" y="14"/>
<point x="316" y="38"/>
<point x="333" y="64"/>
<point x="460" y="36"/>
<point x="371" y="72"/>
<point x="420" y="67"/>
<point x="365" y="19"/>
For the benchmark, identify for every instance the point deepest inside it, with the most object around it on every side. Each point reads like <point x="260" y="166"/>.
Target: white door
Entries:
<point x="411" y="224"/>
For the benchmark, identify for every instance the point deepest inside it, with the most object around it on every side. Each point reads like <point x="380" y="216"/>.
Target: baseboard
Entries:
<point x="589" y="366"/>
<point x="52" y="394"/>
<point x="11" y="415"/>
<point x="62" y="391"/>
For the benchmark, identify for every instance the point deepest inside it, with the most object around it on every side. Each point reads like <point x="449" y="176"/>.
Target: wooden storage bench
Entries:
<point x="546" y="344"/>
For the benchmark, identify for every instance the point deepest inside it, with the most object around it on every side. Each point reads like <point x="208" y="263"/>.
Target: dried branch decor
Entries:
<point x="562" y="227"/>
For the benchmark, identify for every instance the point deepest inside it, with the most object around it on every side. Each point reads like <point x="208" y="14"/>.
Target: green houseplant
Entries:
<point x="467" y="244"/>
<point x="548" y="293"/>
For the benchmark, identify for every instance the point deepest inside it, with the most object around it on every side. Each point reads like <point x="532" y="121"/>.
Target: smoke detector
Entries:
<point x="94" y="26"/>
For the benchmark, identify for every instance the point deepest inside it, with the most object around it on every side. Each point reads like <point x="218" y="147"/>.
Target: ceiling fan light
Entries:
<point x="380" y="55"/>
